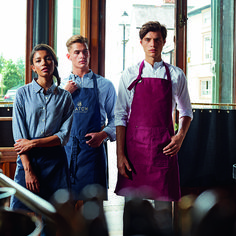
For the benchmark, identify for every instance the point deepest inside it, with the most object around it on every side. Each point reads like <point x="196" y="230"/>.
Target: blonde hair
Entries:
<point x="76" y="39"/>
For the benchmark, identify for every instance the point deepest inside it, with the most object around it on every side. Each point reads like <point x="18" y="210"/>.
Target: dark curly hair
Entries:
<point x="50" y="50"/>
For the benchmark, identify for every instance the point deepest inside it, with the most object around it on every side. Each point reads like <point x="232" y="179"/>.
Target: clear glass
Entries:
<point x="68" y="24"/>
<point x="209" y="61"/>
<point x="123" y="49"/>
<point x="12" y="51"/>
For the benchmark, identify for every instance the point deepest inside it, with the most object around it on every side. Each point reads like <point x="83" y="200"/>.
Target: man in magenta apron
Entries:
<point x="146" y="143"/>
<point x="94" y="98"/>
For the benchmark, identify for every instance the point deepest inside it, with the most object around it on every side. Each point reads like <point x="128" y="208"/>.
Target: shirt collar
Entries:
<point x="37" y="88"/>
<point x="88" y="75"/>
<point x="155" y="66"/>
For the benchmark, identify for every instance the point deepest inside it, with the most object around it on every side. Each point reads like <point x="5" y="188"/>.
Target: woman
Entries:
<point x="42" y="119"/>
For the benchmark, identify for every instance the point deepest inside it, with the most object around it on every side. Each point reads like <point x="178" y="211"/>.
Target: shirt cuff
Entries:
<point x="111" y="133"/>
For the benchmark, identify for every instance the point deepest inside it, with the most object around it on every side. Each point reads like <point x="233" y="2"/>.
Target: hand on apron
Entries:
<point x="95" y="139"/>
<point x="174" y="146"/>
<point x="23" y="145"/>
<point x="31" y="181"/>
<point x="124" y="167"/>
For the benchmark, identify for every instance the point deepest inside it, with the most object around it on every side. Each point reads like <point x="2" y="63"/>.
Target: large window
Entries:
<point x="67" y="24"/>
<point x="123" y="21"/>
<point x="210" y="47"/>
<point x="12" y="51"/>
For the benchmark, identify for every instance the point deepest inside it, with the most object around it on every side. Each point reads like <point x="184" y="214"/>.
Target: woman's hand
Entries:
<point x="31" y="181"/>
<point x="23" y="145"/>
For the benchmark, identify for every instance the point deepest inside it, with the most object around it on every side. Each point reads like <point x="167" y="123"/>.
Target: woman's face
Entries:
<point x="43" y="64"/>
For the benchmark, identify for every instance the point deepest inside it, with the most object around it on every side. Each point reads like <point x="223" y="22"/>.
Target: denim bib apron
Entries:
<point x="50" y="166"/>
<point x="149" y="130"/>
<point x="87" y="165"/>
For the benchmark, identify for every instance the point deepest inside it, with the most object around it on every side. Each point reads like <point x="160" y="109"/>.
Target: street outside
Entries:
<point x="114" y="206"/>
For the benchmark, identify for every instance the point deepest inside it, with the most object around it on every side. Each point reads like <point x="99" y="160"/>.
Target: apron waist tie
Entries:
<point x="74" y="153"/>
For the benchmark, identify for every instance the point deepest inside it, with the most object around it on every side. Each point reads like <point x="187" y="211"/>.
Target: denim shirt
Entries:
<point x="107" y="99"/>
<point x="38" y="115"/>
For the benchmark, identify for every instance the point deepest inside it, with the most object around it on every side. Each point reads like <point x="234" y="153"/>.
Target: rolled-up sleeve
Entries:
<point x="67" y="119"/>
<point x="19" y="119"/>
<point x="182" y="97"/>
<point x="123" y="103"/>
<point x="110" y="102"/>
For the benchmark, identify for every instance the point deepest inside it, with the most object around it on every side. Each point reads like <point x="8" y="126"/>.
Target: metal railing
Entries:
<point x="34" y="202"/>
<point x="39" y="206"/>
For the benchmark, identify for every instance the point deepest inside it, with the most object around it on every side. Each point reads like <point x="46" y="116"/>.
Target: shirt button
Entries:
<point x="43" y="108"/>
<point x="41" y="132"/>
<point x="43" y="120"/>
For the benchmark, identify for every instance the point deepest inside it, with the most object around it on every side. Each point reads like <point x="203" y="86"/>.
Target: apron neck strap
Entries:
<point x="167" y="71"/>
<point x="138" y="78"/>
<point x="95" y="85"/>
<point x="140" y="72"/>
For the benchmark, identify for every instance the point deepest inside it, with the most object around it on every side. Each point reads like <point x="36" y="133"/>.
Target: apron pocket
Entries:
<point x="145" y="146"/>
<point x="160" y="138"/>
<point x="138" y="142"/>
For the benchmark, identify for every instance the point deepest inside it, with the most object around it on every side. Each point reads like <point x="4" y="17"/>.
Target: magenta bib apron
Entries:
<point x="149" y="130"/>
<point x="87" y="165"/>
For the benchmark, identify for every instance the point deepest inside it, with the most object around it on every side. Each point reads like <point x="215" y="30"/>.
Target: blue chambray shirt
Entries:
<point x="107" y="99"/>
<point x="39" y="115"/>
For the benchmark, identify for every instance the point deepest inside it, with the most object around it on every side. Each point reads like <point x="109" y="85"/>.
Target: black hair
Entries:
<point x="52" y="53"/>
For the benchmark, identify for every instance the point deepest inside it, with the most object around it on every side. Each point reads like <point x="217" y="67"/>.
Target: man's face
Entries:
<point x="79" y="55"/>
<point x="152" y="45"/>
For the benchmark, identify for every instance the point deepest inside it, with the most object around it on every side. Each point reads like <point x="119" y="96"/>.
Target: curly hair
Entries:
<point x="50" y="50"/>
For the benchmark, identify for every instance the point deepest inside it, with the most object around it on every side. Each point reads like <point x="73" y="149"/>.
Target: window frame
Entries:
<point x="93" y="27"/>
<point x="31" y="23"/>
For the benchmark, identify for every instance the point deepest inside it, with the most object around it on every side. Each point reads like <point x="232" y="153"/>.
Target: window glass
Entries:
<point x="12" y="51"/>
<point x="206" y="17"/>
<point x="206" y="48"/>
<point x="205" y="87"/>
<point x="68" y="24"/>
<point x="123" y="21"/>
<point x="210" y="37"/>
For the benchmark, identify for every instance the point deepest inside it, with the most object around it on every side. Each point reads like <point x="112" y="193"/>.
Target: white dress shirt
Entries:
<point x="180" y="95"/>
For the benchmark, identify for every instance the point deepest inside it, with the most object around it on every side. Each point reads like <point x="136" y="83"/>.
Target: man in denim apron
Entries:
<point x="94" y="98"/>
